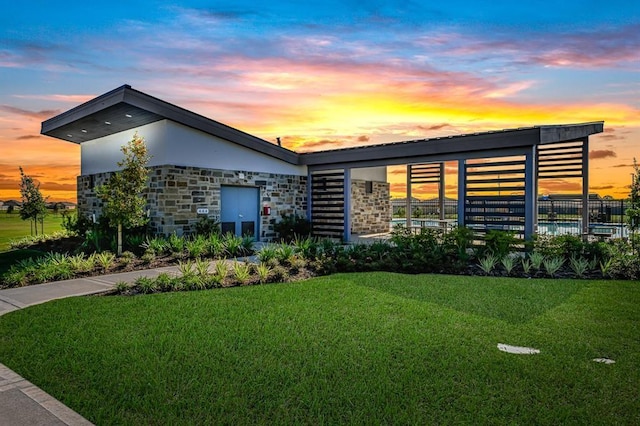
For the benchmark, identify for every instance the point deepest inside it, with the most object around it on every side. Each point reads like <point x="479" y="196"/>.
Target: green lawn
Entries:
<point x="14" y="228"/>
<point x="366" y="348"/>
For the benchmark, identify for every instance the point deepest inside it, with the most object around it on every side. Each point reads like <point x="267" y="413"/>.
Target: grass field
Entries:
<point x="366" y="348"/>
<point x="14" y="228"/>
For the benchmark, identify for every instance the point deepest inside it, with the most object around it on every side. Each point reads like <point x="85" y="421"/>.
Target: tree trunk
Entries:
<point x="119" y="239"/>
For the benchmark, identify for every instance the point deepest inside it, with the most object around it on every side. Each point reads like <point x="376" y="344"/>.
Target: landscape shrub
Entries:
<point x="197" y="246"/>
<point x="80" y="263"/>
<point x="421" y="253"/>
<point x="263" y="271"/>
<point x="292" y="226"/>
<point x="122" y="287"/>
<point x="247" y="245"/>
<point x="127" y="257"/>
<point x="32" y="240"/>
<point x="429" y="251"/>
<point x="458" y="243"/>
<point x="498" y="242"/>
<point x="567" y="247"/>
<point x="241" y="272"/>
<point x="579" y="266"/>
<point x="553" y="264"/>
<point x="306" y="245"/>
<point x="508" y="262"/>
<point x="536" y="258"/>
<point x="100" y="236"/>
<point x="202" y="267"/>
<point x="206" y="226"/>
<point x="233" y="245"/>
<point x="106" y="260"/>
<point x="76" y="224"/>
<point x="146" y="285"/>
<point x="322" y="264"/>
<point x="155" y="245"/>
<point x="133" y="243"/>
<point x="148" y="257"/>
<point x="526" y="266"/>
<point x="221" y="272"/>
<point x="268" y="254"/>
<point x="176" y="244"/>
<point x="488" y="263"/>
<point x="186" y="268"/>
<point x="624" y="265"/>
<point x="284" y="252"/>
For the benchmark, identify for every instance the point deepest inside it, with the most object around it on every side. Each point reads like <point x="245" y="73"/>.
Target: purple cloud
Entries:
<point x="40" y="115"/>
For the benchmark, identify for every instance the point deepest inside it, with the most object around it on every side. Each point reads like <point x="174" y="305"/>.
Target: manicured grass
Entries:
<point x="14" y="228"/>
<point x="350" y="348"/>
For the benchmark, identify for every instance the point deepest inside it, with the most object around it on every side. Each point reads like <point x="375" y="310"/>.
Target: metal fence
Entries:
<point x="555" y="216"/>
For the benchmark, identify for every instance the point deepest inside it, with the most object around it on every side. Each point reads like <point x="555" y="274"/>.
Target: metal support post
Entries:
<point x="585" y="187"/>
<point x="347" y="205"/>
<point x="462" y="191"/>
<point x="408" y="211"/>
<point x="530" y="193"/>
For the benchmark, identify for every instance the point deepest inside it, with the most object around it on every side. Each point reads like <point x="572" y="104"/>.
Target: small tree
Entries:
<point x="57" y="207"/>
<point x="34" y="206"/>
<point x="633" y="212"/>
<point x="124" y="204"/>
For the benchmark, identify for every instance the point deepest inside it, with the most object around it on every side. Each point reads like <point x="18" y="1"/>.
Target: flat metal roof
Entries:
<point x="125" y="108"/>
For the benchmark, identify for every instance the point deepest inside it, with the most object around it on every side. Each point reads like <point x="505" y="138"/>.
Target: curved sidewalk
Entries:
<point x="21" y="402"/>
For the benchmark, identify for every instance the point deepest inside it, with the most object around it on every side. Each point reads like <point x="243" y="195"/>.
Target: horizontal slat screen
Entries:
<point x="560" y="161"/>
<point x="495" y="195"/>
<point x="425" y="173"/>
<point x="327" y="204"/>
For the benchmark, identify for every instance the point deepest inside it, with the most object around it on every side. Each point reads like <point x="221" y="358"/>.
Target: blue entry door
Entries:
<point x="239" y="210"/>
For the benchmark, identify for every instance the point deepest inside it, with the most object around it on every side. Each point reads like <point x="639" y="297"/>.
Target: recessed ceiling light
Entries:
<point x="84" y="131"/>
<point x="107" y="122"/>
<point x="69" y="136"/>
<point x="128" y="115"/>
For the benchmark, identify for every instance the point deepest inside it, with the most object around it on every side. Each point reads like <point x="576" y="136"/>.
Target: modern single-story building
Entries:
<point x="200" y="167"/>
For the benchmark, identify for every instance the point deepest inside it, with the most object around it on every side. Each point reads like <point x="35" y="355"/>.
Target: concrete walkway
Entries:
<point x="21" y="402"/>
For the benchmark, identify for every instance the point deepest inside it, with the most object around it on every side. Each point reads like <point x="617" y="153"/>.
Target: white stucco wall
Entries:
<point x="102" y="154"/>
<point x="376" y="174"/>
<point x="172" y="143"/>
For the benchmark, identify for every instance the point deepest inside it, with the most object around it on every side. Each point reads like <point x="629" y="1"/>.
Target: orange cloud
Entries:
<point x="58" y="182"/>
<point x="559" y="186"/>
<point x="603" y="153"/>
<point x="623" y="166"/>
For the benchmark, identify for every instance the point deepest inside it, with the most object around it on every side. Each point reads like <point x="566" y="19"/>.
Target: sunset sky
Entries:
<point x="326" y="74"/>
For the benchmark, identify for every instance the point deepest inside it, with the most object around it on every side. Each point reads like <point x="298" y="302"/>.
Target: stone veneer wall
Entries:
<point x="176" y="192"/>
<point x="370" y="213"/>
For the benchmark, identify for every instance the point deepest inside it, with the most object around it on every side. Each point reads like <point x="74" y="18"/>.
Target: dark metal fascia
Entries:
<point x="446" y="146"/>
<point x="98" y="104"/>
